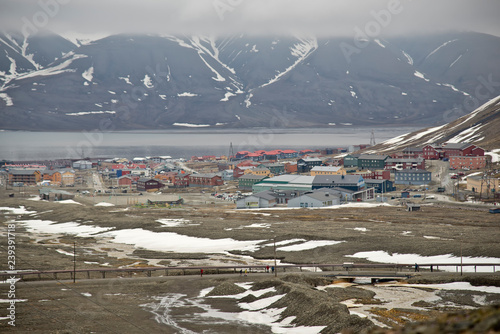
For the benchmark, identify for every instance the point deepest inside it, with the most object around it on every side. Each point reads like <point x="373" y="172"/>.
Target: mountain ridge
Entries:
<point x="158" y="82"/>
<point x="479" y="127"/>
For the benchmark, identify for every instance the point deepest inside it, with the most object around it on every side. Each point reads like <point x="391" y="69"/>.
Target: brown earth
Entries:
<point x="114" y="304"/>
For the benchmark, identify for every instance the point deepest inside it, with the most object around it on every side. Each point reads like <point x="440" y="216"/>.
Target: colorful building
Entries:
<point x="327" y="170"/>
<point x="468" y="162"/>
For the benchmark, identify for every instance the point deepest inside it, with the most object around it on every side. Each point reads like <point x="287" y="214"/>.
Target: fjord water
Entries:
<point x="182" y="143"/>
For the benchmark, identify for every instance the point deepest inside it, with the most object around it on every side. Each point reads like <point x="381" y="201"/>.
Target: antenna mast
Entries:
<point x="231" y="152"/>
<point x="372" y="139"/>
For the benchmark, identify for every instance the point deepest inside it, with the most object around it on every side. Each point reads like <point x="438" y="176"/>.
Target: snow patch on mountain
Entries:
<point x="126" y="79"/>
<point x="83" y="113"/>
<point x="58" y="69"/>
<point x="455" y="61"/>
<point x="218" y="77"/>
<point x="455" y="89"/>
<point x="439" y="47"/>
<point x="29" y="56"/>
<point x="187" y="94"/>
<point x="400" y="140"/>
<point x="227" y="96"/>
<point x="88" y="74"/>
<point x="147" y="81"/>
<point x="301" y="50"/>
<point x="409" y="59"/>
<point x="420" y="75"/>
<point x="467" y="135"/>
<point x="7" y="99"/>
<point x="247" y="101"/>
<point x="189" y="125"/>
<point x="379" y="43"/>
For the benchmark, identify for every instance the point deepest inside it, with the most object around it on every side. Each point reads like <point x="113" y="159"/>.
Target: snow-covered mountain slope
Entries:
<point x="481" y="127"/>
<point x="21" y="54"/>
<point x="149" y="81"/>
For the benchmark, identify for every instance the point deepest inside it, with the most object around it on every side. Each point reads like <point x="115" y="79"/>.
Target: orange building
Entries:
<point x="24" y="176"/>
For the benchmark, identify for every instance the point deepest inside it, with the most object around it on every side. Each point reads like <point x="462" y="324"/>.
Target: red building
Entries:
<point x="431" y="152"/>
<point x="181" y="181"/>
<point x="125" y="181"/>
<point x="239" y="170"/>
<point x="461" y="162"/>
<point x="205" y="180"/>
<point x="434" y="152"/>
<point x="241" y="154"/>
<point x="375" y="175"/>
<point x="461" y="149"/>
<point x="290" y="168"/>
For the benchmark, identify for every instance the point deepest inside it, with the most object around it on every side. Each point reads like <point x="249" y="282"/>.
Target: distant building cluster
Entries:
<point x="305" y="178"/>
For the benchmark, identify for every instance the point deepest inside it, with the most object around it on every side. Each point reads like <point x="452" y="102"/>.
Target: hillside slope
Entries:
<point x="155" y="82"/>
<point x="481" y="127"/>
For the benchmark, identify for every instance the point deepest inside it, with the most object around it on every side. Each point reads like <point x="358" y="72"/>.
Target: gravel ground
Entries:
<point x="116" y="303"/>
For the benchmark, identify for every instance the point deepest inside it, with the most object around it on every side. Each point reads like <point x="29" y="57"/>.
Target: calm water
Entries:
<point x="24" y="145"/>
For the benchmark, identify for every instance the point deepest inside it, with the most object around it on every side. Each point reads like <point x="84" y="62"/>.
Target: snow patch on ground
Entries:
<point x="16" y="211"/>
<point x="308" y="245"/>
<point x="68" y="201"/>
<point x="175" y="222"/>
<point x="104" y="204"/>
<point x="384" y="257"/>
<point x="495" y="155"/>
<point x="51" y="227"/>
<point x="61" y="251"/>
<point x="256" y="312"/>
<point x="173" y="242"/>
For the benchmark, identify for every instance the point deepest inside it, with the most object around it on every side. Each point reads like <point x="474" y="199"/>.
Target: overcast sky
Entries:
<point x="268" y="17"/>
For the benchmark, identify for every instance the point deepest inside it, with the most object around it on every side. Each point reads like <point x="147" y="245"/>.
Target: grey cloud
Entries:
<point x="319" y="17"/>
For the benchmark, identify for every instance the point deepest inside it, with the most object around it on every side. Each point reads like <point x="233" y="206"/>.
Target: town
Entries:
<point x="263" y="179"/>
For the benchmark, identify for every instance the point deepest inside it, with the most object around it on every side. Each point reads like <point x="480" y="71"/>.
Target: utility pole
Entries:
<point x="231" y="152"/>
<point x="74" y="261"/>
<point x="461" y="257"/>
<point x="372" y="139"/>
<point x="275" y="268"/>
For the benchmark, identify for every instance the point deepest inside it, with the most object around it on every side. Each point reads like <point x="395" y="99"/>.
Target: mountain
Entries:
<point x="480" y="127"/>
<point x="154" y="82"/>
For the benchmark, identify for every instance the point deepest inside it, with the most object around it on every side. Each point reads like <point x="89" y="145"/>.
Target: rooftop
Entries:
<point x="340" y="179"/>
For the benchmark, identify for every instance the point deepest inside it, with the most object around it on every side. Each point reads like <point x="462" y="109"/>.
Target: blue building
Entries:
<point x="412" y="177"/>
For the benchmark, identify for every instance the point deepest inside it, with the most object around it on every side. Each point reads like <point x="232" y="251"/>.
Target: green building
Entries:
<point x="246" y="182"/>
<point x="371" y="161"/>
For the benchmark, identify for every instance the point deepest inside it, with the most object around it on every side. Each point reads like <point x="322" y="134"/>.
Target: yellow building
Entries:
<point x="327" y="170"/>
<point x="258" y="171"/>
<point x="68" y="177"/>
